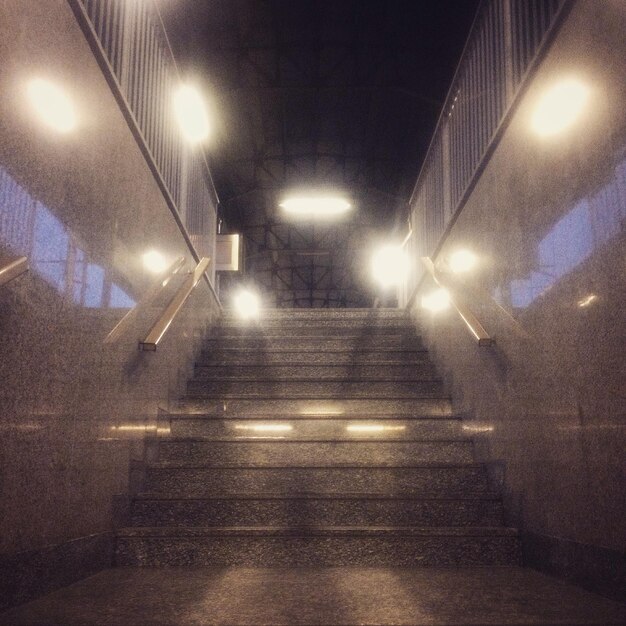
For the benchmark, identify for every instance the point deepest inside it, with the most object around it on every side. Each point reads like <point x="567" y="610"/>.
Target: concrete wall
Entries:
<point x="547" y="404"/>
<point x="84" y="207"/>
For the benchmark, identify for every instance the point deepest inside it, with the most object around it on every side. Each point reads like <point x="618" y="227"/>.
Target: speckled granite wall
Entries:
<point x="546" y="220"/>
<point x="84" y="207"/>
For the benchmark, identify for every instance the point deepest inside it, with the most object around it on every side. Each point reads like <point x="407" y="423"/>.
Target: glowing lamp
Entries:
<point x="390" y="266"/>
<point x="559" y="107"/>
<point x="462" y="261"/>
<point x="315" y="206"/>
<point x="437" y="300"/>
<point x="52" y="105"/>
<point x="191" y="114"/>
<point x="154" y="262"/>
<point x="247" y="304"/>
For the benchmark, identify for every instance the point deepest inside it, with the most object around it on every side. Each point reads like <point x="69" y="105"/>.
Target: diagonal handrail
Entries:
<point x="13" y="269"/>
<point x="124" y="323"/>
<point x="161" y="326"/>
<point x="471" y="321"/>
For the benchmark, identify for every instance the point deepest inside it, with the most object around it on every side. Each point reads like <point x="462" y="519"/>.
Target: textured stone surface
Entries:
<point x="313" y="596"/>
<point x="301" y="453"/>
<point x="314" y="389"/>
<point x="442" y="479"/>
<point x="341" y="510"/>
<point x="306" y="547"/>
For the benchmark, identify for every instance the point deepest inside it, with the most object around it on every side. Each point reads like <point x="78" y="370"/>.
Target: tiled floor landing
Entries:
<point x="342" y="595"/>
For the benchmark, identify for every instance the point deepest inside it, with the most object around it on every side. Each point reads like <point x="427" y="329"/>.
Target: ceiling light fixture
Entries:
<point x="154" y="262"/>
<point x="462" y="261"/>
<point x="315" y="206"/>
<point x="247" y="304"/>
<point x="437" y="300"/>
<point x="390" y="265"/>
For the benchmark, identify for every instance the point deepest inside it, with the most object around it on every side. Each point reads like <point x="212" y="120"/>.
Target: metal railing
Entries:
<point x="471" y="321"/>
<point x="505" y="43"/>
<point x="12" y="269"/>
<point x="161" y="326"/>
<point x="130" y="42"/>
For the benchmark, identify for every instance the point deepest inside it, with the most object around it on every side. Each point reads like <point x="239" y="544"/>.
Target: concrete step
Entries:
<point x="354" y="315"/>
<point x="244" y="356"/>
<point x="316" y="326"/>
<point x="424" y="479"/>
<point x="271" y="408"/>
<point x="317" y="546"/>
<point x="315" y="372"/>
<point x="315" y="343"/>
<point x="317" y="510"/>
<point x="289" y="453"/>
<point x="298" y="427"/>
<point x="308" y="389"/>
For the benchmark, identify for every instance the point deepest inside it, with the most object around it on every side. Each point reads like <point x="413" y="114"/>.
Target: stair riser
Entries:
<point x="317" y="551"/>
<point x="299" y="372"/>
<point x="317" y="512"/>
<point x="285" y="407"/>
<point x="336" y="326"/>
<point x="325" y="358"/>
<point x="293" y="454"/>
<point x="201" y="482"/>
<point x="331" y="315"/>
<point x="322" y="389"/>
<point x="322" y="343"/>
<point x="320" y="428"/>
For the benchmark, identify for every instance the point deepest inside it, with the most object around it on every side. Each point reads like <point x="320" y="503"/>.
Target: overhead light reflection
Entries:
<point x="154" y="262"/>
<point x="585" y="302"/>
<point x="260" y="428"/>
<point x="372" y="428"/>
<point x="52" y="104"/>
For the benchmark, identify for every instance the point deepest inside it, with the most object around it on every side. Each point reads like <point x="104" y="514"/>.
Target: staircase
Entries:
<point x="315" y="437"/>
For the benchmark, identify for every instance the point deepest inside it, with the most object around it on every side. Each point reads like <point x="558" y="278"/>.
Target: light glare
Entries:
<point x="372" y="428"/>
<point x="191" y="113"/>
<point x="154" y="262"/>
<point x="462" y="261"/>
<point x="437" y="300"/>
<point x="52" y="105"/>
<point x="390" y="266"/>
<point x="265" y="428"/>
<point x="559" y="107"/>
<point x="585" y="302"/>
<point x="247" y="304"/>
<point x="315" y="206"/>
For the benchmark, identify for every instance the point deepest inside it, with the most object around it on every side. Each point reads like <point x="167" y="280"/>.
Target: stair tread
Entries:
<point x="308" y="531"/>
<point x="364" y="439"/>
<point x="337" y="466"/>
<point x="483" y="496"/>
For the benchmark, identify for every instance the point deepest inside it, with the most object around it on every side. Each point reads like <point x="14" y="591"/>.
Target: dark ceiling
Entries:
<point x="339" y="94"/>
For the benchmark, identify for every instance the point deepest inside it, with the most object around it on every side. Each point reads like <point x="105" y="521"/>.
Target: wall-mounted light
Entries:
<point x="462" y="261"/>
<point x="437" y="300"/>
<point x="246" y="304"/>
<point x="390" y="265"/>
<point x="52" y="105"/>
<point x="154" y="261"/>
<point x="191" y="113"/>
<point x="559" y="107"/>
<point x="315" y="206"/>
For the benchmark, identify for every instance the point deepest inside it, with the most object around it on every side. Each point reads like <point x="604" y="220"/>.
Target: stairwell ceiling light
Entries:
<point x="390" y="266"/>
<point x="559" y="107"/>
<point x="191" y="113"/>
<point x="462" y="261"/>
<point x="315" y="206"/>
<point x="437" y="300"/>
<point x="154" y="262"/>
<point x="52" y="105"/>
<point x="247" y="304"/>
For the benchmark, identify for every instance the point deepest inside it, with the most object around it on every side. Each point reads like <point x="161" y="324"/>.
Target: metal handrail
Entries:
<point x="161" y="326"/>
<point x="472" y="323"/>
<point x="123" y="324"/>
<point x="13" y="269"/>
